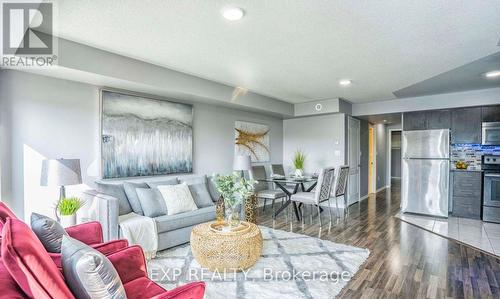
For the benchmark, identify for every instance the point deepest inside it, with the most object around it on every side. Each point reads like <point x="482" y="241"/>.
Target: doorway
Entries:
<point x="395" y="154"/>
<point x="354" y="154"/>
<point x="372" y="153"/>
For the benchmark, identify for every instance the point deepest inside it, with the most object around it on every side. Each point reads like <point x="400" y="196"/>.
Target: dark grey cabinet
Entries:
<point x="427" y="120"/>
<point x="414" y="121"/>
<point x="491" y="114"/>
<point x="466" y="188"/>
<point x="466" y="125"/>
<point x="438" y="119"/>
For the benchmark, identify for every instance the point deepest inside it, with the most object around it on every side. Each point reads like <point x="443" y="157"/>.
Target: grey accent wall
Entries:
<point x="364" y="160"/>
<point x="43" y="117"/>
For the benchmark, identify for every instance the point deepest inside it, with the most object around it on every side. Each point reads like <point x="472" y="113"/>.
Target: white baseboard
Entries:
<point x="383" y="188"/>
<point x="364" y="197"/>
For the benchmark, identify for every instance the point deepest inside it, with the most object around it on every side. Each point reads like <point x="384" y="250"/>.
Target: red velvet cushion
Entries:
<point x="104" y="248"/>
<point x="142" y="288"/>
<point x="8" y="285"/>
<point x="5" y="212"/>
<point x="29" y="264"/>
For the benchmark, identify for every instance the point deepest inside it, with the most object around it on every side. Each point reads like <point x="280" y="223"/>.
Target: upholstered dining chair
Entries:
<point x="321" y="194"/>
<point x="278" y="169"/>
<point x="340" y="189"/>
<point x="262" y="189"/>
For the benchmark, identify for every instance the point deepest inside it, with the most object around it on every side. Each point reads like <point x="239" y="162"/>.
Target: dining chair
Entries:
<point x="341" y="188"/>
<point x="278" y="169"/>
<point x="321" y="194"/>
<point x="262" y="190"/>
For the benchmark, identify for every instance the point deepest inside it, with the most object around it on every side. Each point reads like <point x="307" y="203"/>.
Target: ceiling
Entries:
<point x="296" y="51"/>
<point x="466" y="77"/>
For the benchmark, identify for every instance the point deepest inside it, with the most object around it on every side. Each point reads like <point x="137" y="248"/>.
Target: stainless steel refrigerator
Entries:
<point x="425" y="172"/>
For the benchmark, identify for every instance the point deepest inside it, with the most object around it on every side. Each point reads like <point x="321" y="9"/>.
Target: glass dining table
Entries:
<point x="296" y="183"/>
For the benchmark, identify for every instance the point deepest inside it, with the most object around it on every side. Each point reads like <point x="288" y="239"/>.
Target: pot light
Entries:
<point x="233" y="13"/>
<point x="345" y="82"/>
<point x="492" y="74"/>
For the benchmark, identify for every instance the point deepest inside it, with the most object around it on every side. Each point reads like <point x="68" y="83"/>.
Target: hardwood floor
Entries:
<point x="405" y="261"/>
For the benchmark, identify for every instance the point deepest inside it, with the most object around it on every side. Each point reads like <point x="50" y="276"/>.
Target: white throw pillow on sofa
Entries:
<point x="178" y="198"/>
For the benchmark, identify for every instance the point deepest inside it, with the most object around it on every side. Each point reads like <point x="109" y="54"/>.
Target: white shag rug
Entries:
<point x="291" y="266"/>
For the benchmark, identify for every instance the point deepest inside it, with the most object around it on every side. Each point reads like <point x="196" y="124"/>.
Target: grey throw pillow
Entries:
<point x="49" y="231"/>
<point x="117" y="191"/>
<point x="172" y="181"/>
<point x="88" y="273"/>
<point x="152" y="202"/>
<point x="132" y="197"/>
<point x="214" y="193"/>
<point x="201" y="195"/>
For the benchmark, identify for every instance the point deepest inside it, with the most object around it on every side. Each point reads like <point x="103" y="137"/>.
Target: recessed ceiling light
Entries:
<point x="385" y="120"/>
<point x="492" y="74"/>
<point x="233" y="13"/>
<point x="345" y="82"/>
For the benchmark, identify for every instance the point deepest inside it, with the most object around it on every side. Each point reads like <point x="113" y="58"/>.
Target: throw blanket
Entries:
<point x="140" y="230"/>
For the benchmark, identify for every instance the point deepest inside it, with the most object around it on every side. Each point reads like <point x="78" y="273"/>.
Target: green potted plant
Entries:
<point x="234" y="189"/>
<point x="67" y="209"/>
<point x="298" y="162"/>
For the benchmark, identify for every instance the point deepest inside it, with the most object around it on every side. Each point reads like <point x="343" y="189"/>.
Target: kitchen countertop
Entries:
<point x="467" y="170"/>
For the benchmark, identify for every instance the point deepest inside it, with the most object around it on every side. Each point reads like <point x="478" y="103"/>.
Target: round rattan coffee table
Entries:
<point x="226" y="250"/>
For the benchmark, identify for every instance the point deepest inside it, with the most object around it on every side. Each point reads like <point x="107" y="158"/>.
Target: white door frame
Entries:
<point x="389" y="154"/>
<point x="350" y="119"/>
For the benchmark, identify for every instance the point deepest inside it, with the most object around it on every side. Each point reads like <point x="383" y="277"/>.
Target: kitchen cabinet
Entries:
<point x="414" y="121"/>
<point x="438" y="119"/>
<point x="427" y="120"/>
<point x="466" y="192"/>
<point x="466" y="125"/>
<point x="491" y="114"/>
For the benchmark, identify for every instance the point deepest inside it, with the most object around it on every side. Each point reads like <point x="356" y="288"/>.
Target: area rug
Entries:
<point x="291" y="266"/>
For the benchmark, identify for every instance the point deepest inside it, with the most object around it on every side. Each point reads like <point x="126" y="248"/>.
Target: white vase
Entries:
<point x="299" y="173"/>
<point x="68" y="220"/>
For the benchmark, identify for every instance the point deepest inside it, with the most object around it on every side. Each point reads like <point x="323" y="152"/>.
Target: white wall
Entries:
<point x="321" y="138"/>
<point x="43" y="117"/>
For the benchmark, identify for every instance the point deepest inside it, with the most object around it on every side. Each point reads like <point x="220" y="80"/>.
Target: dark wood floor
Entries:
<point x="405" y="261"/>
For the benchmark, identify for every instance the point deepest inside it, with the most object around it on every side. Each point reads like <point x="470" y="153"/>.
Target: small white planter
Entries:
<point x="69" y="220"/>
<point x="299" y="173"/>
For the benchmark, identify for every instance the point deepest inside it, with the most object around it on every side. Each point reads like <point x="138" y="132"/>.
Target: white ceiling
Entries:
<point x="293" y="50"/>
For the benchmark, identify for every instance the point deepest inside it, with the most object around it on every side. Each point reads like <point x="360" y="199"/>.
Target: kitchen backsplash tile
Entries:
<point x="471" y="154"/>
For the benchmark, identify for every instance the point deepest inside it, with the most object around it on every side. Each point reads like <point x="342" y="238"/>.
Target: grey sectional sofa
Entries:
<point x="114" y="198"/>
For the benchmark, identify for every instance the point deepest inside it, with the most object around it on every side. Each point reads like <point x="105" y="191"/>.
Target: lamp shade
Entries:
<point x="61" y="172"/>
<point x="242" y="162"/>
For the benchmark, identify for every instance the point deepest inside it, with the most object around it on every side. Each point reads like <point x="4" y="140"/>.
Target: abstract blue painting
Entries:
<point x="145" y="137"/>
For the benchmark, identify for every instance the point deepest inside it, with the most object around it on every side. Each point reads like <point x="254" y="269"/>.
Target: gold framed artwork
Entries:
<point x="252" y="139"/>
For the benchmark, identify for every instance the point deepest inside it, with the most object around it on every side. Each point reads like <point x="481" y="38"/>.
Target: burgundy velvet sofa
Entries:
<point x="28" y="271"/>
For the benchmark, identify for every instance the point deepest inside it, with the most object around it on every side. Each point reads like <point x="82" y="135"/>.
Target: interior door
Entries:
<point x="354" y="154"/>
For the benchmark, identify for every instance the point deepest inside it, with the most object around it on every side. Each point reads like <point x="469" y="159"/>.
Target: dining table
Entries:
<point x="296" y="183"/>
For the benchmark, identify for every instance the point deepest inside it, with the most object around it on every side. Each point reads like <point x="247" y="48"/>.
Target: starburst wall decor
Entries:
<point x="252" y="139"/>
